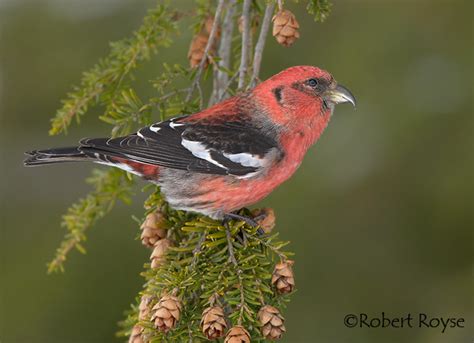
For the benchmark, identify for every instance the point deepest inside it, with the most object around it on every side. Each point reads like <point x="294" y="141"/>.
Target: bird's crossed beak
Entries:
<point x="339" y="95"/>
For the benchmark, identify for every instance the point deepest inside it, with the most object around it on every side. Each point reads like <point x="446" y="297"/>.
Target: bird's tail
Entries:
<point x="57" y="155"/>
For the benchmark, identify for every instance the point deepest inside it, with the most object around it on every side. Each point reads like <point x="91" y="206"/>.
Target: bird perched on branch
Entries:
<point x="228" y="156"/>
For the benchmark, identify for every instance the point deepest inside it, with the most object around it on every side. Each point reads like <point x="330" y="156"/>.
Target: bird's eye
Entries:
<point x="313" y="83"/>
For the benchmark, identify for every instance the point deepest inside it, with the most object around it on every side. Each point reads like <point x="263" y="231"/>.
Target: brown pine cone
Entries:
<point x="144" y="307"/>
<point x="153" y="229"/>
<point x="285" y="28"/>
<point x="196" y="50"/>
<point x="265" y="217"/>
<point x="166" y="313"/>
<point x="159" y="252"/>
<point x="272" y="322"/>
<point x="237" y="334"/>
<point x="208" y="26"/>
<point x="136" y="335"/>
<point x="283" y="278"/>
<point x="213" y="322"/>
<point x="199" y="42"/>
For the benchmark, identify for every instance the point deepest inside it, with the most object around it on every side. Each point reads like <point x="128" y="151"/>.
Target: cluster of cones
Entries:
<point x="213" y="325"/>
<point x="166" y="312"/>
<point x="164" y="315"/>
<point x="285" y="31"/>
<point x="153" y="235"/>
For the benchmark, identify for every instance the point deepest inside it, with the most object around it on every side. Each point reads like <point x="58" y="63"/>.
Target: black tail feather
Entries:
<point x="57" y="155"/>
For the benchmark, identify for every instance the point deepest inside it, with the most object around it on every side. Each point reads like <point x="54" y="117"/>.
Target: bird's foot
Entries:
<point x="249" y="221"/>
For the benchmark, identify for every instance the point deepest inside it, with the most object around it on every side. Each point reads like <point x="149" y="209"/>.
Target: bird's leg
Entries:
<point x="259" y="217"/>
<point x="249" y="221"/>
<point x="245" y="219"/>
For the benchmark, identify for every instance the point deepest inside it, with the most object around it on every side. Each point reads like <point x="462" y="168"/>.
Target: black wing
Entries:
<point x="227" y="148"/>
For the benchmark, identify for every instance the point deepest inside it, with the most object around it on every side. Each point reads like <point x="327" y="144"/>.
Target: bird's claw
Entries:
<point x="249" y="221"/>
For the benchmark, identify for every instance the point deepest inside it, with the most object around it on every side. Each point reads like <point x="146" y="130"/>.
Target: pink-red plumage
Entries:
<point x="230" y="155"/>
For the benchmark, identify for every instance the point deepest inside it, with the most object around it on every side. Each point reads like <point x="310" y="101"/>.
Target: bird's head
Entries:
<point x="302" y="93"/>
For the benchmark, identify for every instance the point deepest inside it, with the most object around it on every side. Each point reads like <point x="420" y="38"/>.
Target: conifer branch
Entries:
<point x="245" y="43"/>
<point x="224" y="53"/>
<point x="109" y="186"/>
<point x="320" y="9"/>
<point x="257" y="58"/>
<point x="230" y="248"/>
<point x="210" y="42"/>
<point x="227" y="86"/>
<point x="102" y="83"/>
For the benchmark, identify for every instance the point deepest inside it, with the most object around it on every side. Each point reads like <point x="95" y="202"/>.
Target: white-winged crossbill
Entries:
<point x="228" y="156"/>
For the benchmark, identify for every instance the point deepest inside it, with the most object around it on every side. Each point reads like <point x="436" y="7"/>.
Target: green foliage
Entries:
<point x="169" y="101"/>
<point x="211" y="262"/>
<point x="107" y="84"/>
<point x="126" y="113"/>
<point x="104" y="83"/>
<point x="109" y="186"/>
<point x="319" y="8"/>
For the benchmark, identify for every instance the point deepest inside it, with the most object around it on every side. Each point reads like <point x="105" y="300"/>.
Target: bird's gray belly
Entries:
<point x="183" y="190"/>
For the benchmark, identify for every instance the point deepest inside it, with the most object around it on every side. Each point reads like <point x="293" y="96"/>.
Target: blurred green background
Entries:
<point x="380" y="215"/>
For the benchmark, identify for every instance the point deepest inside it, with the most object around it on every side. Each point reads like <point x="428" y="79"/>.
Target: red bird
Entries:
<point x="228" y="156"/>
